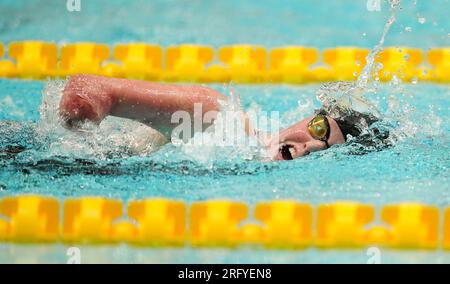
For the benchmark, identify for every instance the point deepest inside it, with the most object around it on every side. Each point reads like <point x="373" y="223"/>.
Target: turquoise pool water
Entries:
<point x="269" y="22"/>
<point x="416" y="169"/>
<point x="53" y="161"/>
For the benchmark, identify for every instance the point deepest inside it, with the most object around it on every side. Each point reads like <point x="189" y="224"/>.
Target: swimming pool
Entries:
<point x="56" y="164"/>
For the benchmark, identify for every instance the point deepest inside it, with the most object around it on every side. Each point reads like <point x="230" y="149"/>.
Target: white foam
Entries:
<point x="114" y="136"/>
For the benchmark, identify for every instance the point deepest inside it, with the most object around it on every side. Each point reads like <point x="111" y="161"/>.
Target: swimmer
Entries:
<point x="93" y="98"/>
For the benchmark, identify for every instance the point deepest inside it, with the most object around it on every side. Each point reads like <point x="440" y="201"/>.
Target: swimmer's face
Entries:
<point x="296" y="141"/>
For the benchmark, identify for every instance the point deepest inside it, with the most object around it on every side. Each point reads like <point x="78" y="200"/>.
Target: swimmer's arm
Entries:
<point x="154" y="104"/>
<point x="88" y="97"/>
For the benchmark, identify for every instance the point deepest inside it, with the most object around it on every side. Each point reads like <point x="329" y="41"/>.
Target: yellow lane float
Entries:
<point x="34" y="59"/>
<point x="244" y="63"/>
<point x="136" y="61"/>
<point x="345" y="63"/>
<point x="286" y="223"/>
<point x="439" y="58"/>
<point x="215" y="223"/>
<point x="30" y="219"/>
<point x="188" y="62"/>
<point x="235" y="63"/>
<point x="90" y="219"/>
<point x="343" y="224"/>
<point x="84" y="58"/>
<point x="159" y="221"/>
<point x="292" y="64"/>
<point x="412" y="225"/>
<point x="7" y="68"/>
<point x="402" y="61"/>
<point x="447" y="229"/>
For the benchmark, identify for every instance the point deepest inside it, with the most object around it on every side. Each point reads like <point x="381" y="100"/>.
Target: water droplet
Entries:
<point x="421" y="20"/>
<point x="414" y="80"/>
<point x="408" y="29"/>
<point x="364" y="34"/>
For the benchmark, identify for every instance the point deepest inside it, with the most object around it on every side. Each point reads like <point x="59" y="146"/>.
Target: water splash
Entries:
<point x="114" y="137"/>
<point x="370" y="71"/>
<point x="351" y="95"/>
<point x="340" y="98"/>
<point x="226" y="139"/>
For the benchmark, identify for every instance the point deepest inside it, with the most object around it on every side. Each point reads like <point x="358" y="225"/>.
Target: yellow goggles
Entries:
<point x="319" y="128"/>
